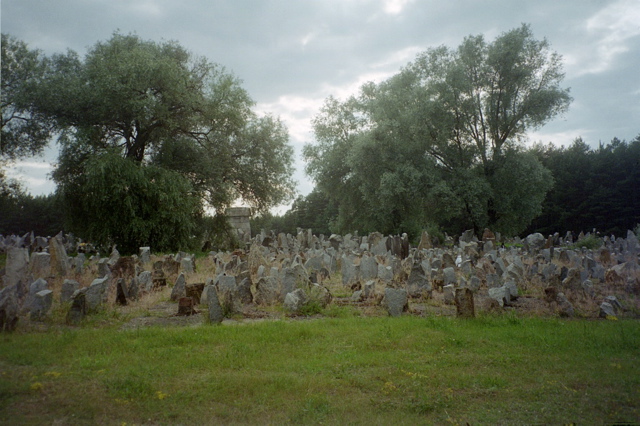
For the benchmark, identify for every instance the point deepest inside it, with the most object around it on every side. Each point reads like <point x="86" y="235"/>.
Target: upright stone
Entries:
<point x="9" y="308"/>
<point x="396" y="301"/>
<point x="368" y="268"/>
<point x="464" y="303"/>
<point x="40" y="264"/>
<point x="215" y="310"/>
<point x="122" y="292"/>
<point x="68" y="288"/>
<point x="59" y="260"/>
<point x="145" y="255"/>
<point x="17" y="267"/>
<point x="41" y="305"/>
<point x="78" y="309"/>
<point x="179" y="289"/>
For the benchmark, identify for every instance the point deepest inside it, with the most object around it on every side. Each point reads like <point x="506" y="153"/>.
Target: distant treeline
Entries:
<point x="593" y="188"/>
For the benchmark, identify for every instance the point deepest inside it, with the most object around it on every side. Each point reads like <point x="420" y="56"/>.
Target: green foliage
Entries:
<point x="24" y="131"/>
<point x="594" y="188"/>
<point x="217" y="233"/>
<point x="23" y="213"/>
<point x="446" y="128"/>
<point x="591" y="242"/>
<point x="185" y="124"/>
<point x="118" y="201"/>
<point x="312" y="307"/>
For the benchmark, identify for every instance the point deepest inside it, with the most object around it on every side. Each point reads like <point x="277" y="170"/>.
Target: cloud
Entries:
<point x="610" y="31"/>
<point x="394" y="7"/>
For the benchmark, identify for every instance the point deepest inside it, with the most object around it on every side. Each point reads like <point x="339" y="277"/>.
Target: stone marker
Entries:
<point x="179" y="288"/>
<point x="215" y="310"/>
<point x="122" y="292"/>
<point x="8" y="308"/>
<point x="396" y="301"/>
<point x="464" y="303"/>
<point x="78" y="309"/>
<point x="68" y="288"/>
<point x="295" y="300"/>
<point x="41" y="305"/>
<point x="186" y="306"/>
<point x="194" y="291"/>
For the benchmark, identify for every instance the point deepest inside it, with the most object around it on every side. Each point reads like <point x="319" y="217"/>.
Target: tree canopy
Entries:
<point x="184" y="122"/>
<point x="441" y="141"/>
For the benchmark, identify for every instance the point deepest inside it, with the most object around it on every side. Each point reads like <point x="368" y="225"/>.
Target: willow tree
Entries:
<point x="442" y="140"/>
<point x="155" y="104"/>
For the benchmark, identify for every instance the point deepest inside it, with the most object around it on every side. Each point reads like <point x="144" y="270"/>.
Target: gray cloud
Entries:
<point x="293" y="54"/>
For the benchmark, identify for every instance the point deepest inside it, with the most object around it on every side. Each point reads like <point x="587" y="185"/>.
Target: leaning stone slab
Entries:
<point x="607" y="310"/>
<point x="95" y="293"/>
<point x="78" y="309"/>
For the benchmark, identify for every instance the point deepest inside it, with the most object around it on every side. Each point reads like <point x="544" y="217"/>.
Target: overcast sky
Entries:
<point x="292" y="54"/>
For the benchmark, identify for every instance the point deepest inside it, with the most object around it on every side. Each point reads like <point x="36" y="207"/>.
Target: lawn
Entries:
<point x="352" y="370"/>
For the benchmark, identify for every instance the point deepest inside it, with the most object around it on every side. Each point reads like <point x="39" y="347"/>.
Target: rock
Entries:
<point x="566" y="308"/>
<point x="95" y="293"/>
<point x="188" y="265"/>
<point x="78" y="309"/>
<point x="613" y="301"/>
<point x="59" y="260"/>
<point x="464" y="303"/>
<point x="68" y="288"/>
<point x="40" y="265"/>
<point x="368" y="268"/>
<point x="417" y="282"/>
<point x="369" y="289"/>
<point x="474" y="284"/>
<point x="35" y="287"/>
<point x="535" y="242"/>
<point x="425" y="241"/>
<point x="9" y="308"/>
<point x="134" y="288"/>
<point x="396" y="301"/>
<point x="449" y="275"/>
<point x="243" y="291"/>
<point x="588" y="289"/>
<point x="122" y="292"/>
<point x="17" y="267"/>
<point x="267" y="291"/>
<point x="145" y="255"/>
<point x="194" y="291"/>
<point x="357" y="296"/>
<point x="41" y="305"/>
<point x="215" y="310"/>
<point x="186" y="306"/>
<point x="607" y="311"/>
<point x="385" y="273"/>
<point x="449" y="294"/>
<point x="295" y="300"/>
<point x="179" y="288"/>
<point x="500" y="294"/>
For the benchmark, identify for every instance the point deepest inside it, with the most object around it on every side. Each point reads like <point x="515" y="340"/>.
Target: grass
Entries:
<point x="348" y="369"/>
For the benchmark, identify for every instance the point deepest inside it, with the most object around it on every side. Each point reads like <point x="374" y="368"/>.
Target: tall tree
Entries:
<point x="155" y="104"/>
<point x="24" y="131"/>
<point x="441" y="140"/>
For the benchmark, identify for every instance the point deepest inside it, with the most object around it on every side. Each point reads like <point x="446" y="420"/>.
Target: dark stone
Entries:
<point x="78" y="309"/>
<point x="186" y="306"/>
<point x="464" y="303"/>
<point x="8" y="308"/>
<point x="194" y="291"/>
<point x="122" y="292"/>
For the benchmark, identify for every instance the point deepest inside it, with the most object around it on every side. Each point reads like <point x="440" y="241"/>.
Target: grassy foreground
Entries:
<point x="356" y="370"/>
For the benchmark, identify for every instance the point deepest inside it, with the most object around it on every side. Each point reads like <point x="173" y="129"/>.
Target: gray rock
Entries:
<point x="535" y="242"/>
<point x="474" y="284"/>
<point x="357" y="296"/>
<point x="40" y="265"/>
<point x="179" y="288"/>
<point x="216" y="314"/>
<point x="588" y="289"/>
<point x="369" y="289"/>
<point x="566" y="308"/>
<point x="267" y="292"/>
<point x="78" y="309"/>
<point x="295" y="300"/>
<point x="95" y="293"/>
<point x="607" y="310"/>
<point x="16" y="267"/>
<point x="145" y="282"/>
<point x="188" y="265"/>
<point x="41" y="305"/>
<point x="501" y="294"/>
<point x="243" y="291"/>
<point x="385" y="273"/>
<point x="449" y="275"/>
<point x="368" y="268"/>
<point x="396" y="301"/>
<point x="145" y="255"/>
<point x="59" y="260"/>
<point x="9" y="308"/>
<point x="449" y="294"/>
<point x="68" y="288"/>
<point x="613" y="301"/>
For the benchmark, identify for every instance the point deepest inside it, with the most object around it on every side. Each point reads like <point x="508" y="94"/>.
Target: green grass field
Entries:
<point x="354" y="370"/>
